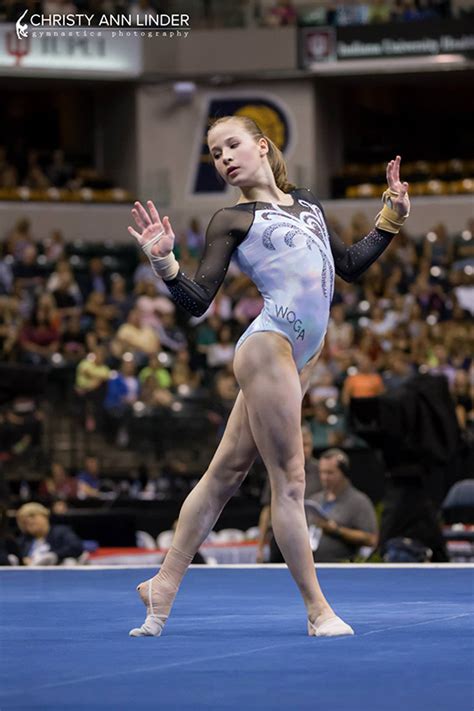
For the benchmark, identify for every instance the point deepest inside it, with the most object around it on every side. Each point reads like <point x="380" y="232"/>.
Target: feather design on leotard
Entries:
<point x="327" y="270"/>
<point x="290" y="237"/>
<point x="267" y="234"/>
<point x="315" y="221"/>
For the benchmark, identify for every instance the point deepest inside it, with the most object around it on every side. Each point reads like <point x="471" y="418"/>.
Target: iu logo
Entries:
<point x="17" y="48"/>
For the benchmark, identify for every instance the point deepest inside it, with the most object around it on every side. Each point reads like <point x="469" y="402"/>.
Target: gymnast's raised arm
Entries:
<point x="157" y="240"/>
<point x="351" y="262"/>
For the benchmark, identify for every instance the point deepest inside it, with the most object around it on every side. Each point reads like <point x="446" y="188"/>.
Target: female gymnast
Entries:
<point x="281" y="240"/>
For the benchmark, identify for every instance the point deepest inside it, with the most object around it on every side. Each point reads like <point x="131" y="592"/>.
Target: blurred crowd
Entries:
<point x="245" y="13"/>
<point x="41" y="170"/>
<point x="133" y="352"/>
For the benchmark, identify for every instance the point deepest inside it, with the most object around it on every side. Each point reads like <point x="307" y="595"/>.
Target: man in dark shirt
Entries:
<point x="347" y="519"/>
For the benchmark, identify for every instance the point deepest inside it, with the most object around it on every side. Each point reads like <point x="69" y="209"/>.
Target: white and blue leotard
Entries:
<point x="291" y="256"/>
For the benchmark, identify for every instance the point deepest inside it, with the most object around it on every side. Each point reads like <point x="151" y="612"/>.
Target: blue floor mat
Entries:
<point x="237" y="641"/>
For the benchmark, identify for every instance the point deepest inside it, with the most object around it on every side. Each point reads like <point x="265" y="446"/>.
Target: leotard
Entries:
<point x="291" y="256"/>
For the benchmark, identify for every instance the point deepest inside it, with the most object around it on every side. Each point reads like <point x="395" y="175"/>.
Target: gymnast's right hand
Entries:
<point x="157" y="236"/>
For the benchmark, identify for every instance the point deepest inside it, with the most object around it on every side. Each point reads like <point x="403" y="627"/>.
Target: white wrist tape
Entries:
<point x="148" y="245"/>
<point x="165" y="267"/>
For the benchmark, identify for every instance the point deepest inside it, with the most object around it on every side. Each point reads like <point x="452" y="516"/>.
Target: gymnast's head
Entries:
<point x="244" y="157"/>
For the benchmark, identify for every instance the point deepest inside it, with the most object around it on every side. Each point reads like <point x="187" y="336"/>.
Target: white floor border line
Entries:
<point x="252" y="566"/>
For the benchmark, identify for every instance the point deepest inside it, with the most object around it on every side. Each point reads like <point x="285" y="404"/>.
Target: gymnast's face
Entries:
<point x="238" y="157"/>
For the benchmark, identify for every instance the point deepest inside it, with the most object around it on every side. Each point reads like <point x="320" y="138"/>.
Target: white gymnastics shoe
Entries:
<point x="153" y="625"/>
<point x="332" y="627"/>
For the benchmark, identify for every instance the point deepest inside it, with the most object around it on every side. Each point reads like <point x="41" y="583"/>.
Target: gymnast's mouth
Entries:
<point x="232" y="170"/>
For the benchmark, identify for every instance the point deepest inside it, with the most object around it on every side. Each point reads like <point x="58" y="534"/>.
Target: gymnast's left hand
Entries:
<point x="399" y="202"/>
<point x="151" y="227"/>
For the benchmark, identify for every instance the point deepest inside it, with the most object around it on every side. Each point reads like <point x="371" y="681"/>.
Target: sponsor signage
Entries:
<point x="57" y="52"/>
<point x="410" y="39"/>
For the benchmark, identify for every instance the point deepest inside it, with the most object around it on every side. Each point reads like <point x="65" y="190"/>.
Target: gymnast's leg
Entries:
<point x="200" y="511"/>
<point x="266" y="372"/>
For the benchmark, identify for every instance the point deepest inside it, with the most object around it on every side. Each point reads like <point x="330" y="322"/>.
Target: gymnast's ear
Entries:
<point x="263" y="146"/>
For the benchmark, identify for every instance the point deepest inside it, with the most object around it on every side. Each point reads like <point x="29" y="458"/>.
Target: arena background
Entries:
<point x="90" y="123"/>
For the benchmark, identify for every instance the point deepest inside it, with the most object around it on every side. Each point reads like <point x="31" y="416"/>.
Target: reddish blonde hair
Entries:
<point x="275" y="156"/>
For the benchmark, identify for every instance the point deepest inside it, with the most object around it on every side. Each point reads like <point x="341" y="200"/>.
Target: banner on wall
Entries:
<point x="65" y="52"/>
<point x="410" y="39"/>
<point x="268" y="113"/>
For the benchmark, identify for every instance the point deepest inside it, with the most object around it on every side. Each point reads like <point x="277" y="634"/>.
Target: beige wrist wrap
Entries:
<point x="388" y="219"/>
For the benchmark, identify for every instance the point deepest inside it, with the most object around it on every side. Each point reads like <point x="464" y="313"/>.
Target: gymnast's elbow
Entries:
<point x="348" y="276"/>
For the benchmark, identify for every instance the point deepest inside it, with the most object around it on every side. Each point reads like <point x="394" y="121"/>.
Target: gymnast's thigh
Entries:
<point x="237" y="450"/>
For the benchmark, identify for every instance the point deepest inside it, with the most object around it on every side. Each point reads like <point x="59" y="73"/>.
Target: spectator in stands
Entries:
<point x="122" y="392"/>
<point x="151" y="305"/>
<point x="133" y="337"/>
<point x="157" y="371"/>
<point x="62" y="271"/>
<point x="119" y="299"/>
<point x="349" y="521"/>
<point x="398" y="370"/>
<point x="144" y="272"/>
<point x="19" y="238"/>
<point x="39" y="338"/>
<point x="95" y="279"/>
<point x="67" y="299"/>
<point x="42" y="543"/>
<point x="206" y="335"/>
<point x="312" y="487"/>
<point x="327" y="430"/>
<point x="10" y="553"/>
<point x="221" y="353"/>
<point x="35" y="179"/>
<point x="194" y="238"/>
<point x="340" y="333"/>
<point x="10" y="324"/>
<point x="101" y="334"/>
<point x="380" y="322"/>
<point x="88" y="478"/>
<point x="461" y="392"/>
<point x="9" y="178"/>
<point x="54" y="246"/>
<point x="438" y="247"/>
<point x="63" y="7"/>
<point x="96" y="306"/>
<point x="171" y="336"/>
<point x="282" y="13"/>
<point x="58" y="485"/>
<point x="26" y="270"/>
<point x="59" y="171"/>
<point x="92" y="376"/>
<point x="155" y="384"/>
<point x="324" y="389"/>
<point x="379" y="12"/>
<point x="366" y="382"/>
<point x="73" y="339"/>
<point x="181" y="372"/>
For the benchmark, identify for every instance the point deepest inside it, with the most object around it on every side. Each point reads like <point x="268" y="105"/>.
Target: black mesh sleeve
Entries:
<point x="225" y="232"/>
<point x="351" y="262"/>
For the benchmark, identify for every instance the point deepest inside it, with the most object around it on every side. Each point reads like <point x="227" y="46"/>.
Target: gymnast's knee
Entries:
<point x="226" y="481"/>
<point x="288" y="485"/>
